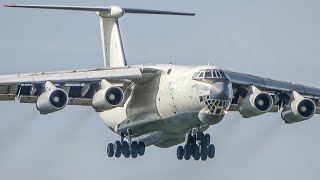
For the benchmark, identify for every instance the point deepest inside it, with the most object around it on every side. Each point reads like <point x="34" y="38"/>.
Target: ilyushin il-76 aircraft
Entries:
<point x="162" y="104"/>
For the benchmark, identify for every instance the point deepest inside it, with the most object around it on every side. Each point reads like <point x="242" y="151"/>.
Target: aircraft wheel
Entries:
<point x="134" y="149"/>
<point x="125" y="149"/>
<point x="204" y="157"/>
<point x="110" y="151"/>
<point x="211" y="151"/>
<point x="204" y="153"/>
<point x="187" y="152"/>
<point x="196" y="153"/>
<point x="206" y="139"/>
<point x="141" y="148"/>
<point x="180" y="152"/>
<point x="117" y="149"/>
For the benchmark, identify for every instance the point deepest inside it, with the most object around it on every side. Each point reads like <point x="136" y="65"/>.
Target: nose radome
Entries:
<point x="220" y="91"/>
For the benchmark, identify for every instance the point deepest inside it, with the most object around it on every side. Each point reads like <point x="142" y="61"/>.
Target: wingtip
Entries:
<point x="9" y="5"/>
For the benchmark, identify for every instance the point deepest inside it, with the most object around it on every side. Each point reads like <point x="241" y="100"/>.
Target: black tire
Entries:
<point x="134" y="149"/>
<point x="196" y="153"/>
<point x="206" y="139"/>
<point x="117" y="148"/>
<point x="211" y="151"/>
<point x="141" y="148"/>
<point x="204" y="157"/>
<point x="187" y="152"/>
<point x="180" y="152"/>
<point x="204" y="153"/>
<point x="125" y="149"/>
<point x="110" y="151"/>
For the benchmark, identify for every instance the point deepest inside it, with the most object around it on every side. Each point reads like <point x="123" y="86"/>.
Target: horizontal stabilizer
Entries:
<point x="112" y="46"/>
<point x="92" y="8"/>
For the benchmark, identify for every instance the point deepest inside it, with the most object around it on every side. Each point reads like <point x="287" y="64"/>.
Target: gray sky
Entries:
<point x="276" y="38"/>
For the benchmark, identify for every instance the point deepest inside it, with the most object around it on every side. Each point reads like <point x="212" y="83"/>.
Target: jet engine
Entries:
<point x="255" y="104"/>
<point x="107" y="98"/>
<point x="52" y="101"/>
<point x="298" y="110"/>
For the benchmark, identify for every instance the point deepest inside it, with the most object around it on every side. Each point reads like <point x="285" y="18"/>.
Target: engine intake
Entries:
<point x="298" y="110"/>
<point x="255" y="104"/>
<point x="52" y="101"/>
<point x="107" y="98"/>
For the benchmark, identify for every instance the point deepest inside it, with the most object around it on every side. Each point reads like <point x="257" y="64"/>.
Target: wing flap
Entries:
<point x="4" y="97"/>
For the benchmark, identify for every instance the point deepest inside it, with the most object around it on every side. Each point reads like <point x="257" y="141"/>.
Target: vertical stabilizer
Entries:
<point x="112" y="47"/>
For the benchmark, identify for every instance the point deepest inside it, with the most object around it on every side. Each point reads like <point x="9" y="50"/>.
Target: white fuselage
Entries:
<point x="168" y="104"/>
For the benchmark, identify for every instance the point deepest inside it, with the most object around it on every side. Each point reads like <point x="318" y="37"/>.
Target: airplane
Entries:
<point x="161" y="104"/>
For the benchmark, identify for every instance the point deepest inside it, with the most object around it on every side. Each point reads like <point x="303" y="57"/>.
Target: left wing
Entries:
<point x="296" y="101"/>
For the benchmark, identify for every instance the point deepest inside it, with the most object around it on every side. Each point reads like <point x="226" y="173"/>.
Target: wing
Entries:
<point x="80" y="85"/>
<point x="281" y="92"/>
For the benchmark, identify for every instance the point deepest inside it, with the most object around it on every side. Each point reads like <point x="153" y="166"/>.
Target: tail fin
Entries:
<point x="113" y="52"/>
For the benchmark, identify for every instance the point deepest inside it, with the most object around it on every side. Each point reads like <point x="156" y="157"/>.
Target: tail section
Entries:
<point x="113" y="52"/>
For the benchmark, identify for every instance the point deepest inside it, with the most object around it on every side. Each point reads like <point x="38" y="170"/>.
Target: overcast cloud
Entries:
<point x="277" y="39"/>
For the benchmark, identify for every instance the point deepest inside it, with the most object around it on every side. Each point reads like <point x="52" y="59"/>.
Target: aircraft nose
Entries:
<point x="220" y="91"/>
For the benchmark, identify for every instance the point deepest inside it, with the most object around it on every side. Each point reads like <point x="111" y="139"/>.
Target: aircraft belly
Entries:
<point x="181" y="123"/>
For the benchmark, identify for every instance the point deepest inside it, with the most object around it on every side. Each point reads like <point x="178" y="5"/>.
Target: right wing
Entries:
<point x="80" y="85"/>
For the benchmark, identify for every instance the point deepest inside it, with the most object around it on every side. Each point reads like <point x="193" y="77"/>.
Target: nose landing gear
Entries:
<point x="125" y="148"/>
<point x="197" y="146"/>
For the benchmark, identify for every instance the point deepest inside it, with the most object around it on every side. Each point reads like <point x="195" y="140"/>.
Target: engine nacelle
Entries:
<point x="298" y="110"/>
<point x="255" y="104"/>
<point x="52" y="101"/>
<point x="107" y="98"/>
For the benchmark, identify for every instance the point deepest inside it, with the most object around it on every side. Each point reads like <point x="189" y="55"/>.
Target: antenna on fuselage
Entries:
<point x="113" y="51"/>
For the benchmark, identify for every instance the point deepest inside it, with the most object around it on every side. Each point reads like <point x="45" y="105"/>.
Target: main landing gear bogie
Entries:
<point x="127" y="149"/>
<point x="197" y="146"/>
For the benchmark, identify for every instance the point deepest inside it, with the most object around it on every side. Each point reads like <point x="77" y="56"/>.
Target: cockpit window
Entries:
<point x="209" y="74"/>
<point x="200" y="75"/>
<point x="214" y="74"/>
<point x="223" y="75"/>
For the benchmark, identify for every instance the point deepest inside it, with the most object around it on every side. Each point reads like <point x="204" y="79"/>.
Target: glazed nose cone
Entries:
<point x="220" y="91"/>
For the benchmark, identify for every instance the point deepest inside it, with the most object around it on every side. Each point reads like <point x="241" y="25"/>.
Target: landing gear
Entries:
<point x="180" y="152"/>
<point x="125" y="148"/>
<point x="197" y="146"/>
